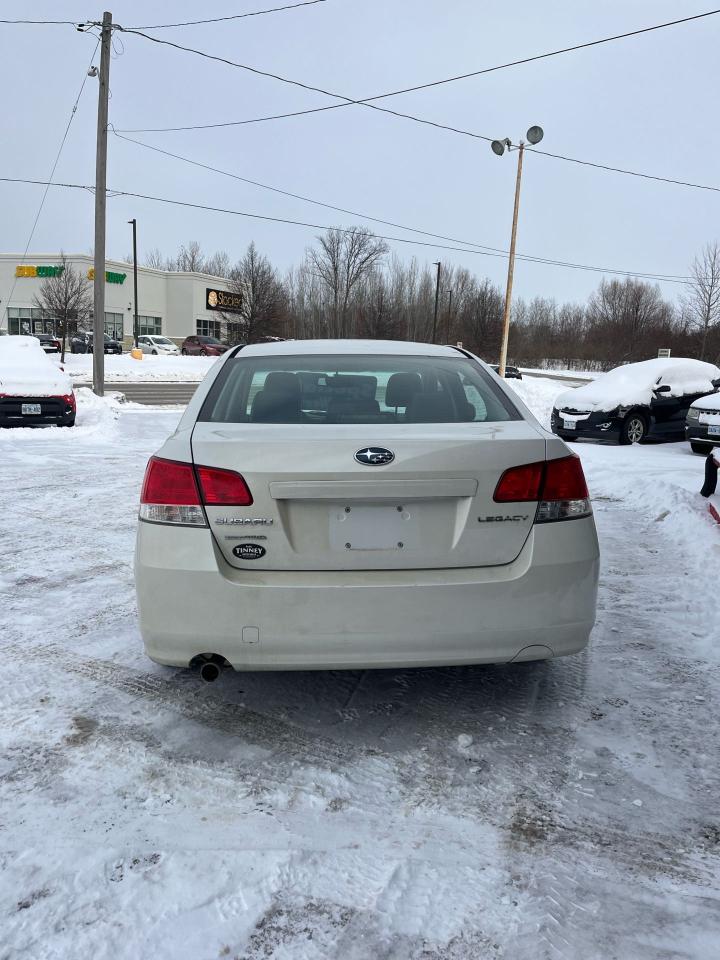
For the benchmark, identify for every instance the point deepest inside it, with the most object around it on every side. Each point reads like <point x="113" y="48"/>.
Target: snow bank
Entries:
<point x="26" y="370"/>
<point x="123" y="369"/>
<point x="96" y="418"/>
<point x="540" y="395"/>
<point x="633" y="383"/>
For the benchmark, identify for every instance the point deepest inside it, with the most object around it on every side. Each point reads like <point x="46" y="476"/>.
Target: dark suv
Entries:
<point x="83" y="343"/>
<point x="203" y="346"/>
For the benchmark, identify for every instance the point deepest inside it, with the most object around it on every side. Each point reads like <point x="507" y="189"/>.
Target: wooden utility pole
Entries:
<point x="511" y="267"/>
<point x="100" y="204"/>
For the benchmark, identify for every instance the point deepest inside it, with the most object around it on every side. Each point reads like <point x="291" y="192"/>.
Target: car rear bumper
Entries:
<point x="54" y="411"/>
<point x="190" y="601"/>
<point x="698" y="433"/>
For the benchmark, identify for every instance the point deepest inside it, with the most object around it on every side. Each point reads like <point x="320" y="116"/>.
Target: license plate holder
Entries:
<point x="569" y="424"/>
<point x="714" y="429"/>
<point x="373" y="527"/>
<point x="30" y="409"/>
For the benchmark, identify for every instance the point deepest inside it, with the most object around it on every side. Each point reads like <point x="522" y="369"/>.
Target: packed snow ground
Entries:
<point x="554" y="810"/>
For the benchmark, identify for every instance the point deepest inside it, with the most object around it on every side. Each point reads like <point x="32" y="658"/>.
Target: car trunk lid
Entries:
<point x="317" y="508"/>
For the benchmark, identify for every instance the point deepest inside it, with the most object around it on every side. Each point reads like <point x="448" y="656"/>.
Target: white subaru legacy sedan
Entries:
<point x="345" y="504"/>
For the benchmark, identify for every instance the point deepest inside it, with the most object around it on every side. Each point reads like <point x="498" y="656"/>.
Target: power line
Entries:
<point x="352" y="213"/>
<point x="665" y="278"/>
<point x="54" y="168"/>
<point x="237" y="16"/>
<point x="433" y="83"/>
<point x="44" y="23"/>
<point x="298" y="196"/>
<point x="369" y="101"/>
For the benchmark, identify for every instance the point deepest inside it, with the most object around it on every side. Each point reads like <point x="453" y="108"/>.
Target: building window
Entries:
<point x="114" y="325"/>
<point x="149" y="326"/>
<point x="208" y="328"/>
<point x="29" y="320"/>
<point x="235" y="332"/>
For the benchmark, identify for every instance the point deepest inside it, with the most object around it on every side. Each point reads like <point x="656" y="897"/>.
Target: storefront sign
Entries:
<point x="24" y="270"/>
<point x="223" y="301"/>
<point x="109" y="277"/>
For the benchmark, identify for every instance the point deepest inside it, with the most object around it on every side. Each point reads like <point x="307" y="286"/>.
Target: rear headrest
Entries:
<point x="431" y="408"/>
<point x="275" y="408"/>
<point x="279" y="381"/>
<point x="351" y="385"/>
<point x="401" y="388"/>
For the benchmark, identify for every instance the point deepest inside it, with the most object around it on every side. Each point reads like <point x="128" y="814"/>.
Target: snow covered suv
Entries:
<point x="636" y="401"/>
<point x="344" y="504"/>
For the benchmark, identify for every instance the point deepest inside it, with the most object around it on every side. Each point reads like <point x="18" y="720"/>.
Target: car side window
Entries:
<point x="475" y="399"/>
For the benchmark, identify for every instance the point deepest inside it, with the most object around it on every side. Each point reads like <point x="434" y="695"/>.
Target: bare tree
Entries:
<point x="190" y="258"/>
<point x="67" y="298"/>
<point x="155" y="260"/>
<point x="263" y="297"/>
<point x="218" y="265"/>
<point x="344" y="258"/>
<point x="702" y="301"/>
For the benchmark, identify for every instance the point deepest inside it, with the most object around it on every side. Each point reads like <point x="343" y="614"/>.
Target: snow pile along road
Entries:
<point x="123" y="368"/>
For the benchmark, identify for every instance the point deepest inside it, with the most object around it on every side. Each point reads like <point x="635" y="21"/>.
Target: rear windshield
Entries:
<point x="355" y="389"/>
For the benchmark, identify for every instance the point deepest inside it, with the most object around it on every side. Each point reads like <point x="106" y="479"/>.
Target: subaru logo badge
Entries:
<point x="374" y="456"/>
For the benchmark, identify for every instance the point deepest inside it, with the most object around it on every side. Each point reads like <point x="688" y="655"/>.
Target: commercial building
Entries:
<point x="170" y="303"/>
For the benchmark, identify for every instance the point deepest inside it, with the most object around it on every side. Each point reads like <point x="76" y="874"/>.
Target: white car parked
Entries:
<point x="346" y="504"/>
<point x="158" y="346"/>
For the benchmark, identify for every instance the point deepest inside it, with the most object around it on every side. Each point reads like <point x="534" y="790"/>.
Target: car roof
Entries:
<point x="398" y="348"/>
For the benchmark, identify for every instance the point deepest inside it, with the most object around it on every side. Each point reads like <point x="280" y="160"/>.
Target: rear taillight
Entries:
<point x="520" y="484"/>
<point x="69" y="400"/>
<point x="558" y="486"/>
<point x="223" y="488"/>
<point x="174" y="492"/>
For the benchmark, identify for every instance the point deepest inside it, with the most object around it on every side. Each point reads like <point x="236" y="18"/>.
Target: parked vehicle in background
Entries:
<point x="157" y="346"/>
<point x="49" y="343"/>
<point x="350" y="504"/>
<point x="511" y="372"/>
<point x="34" y="390"/>
<point x="203" y="346"/>
<point x="635" y="402"/>
<point x="83" y="343"/>
<point x="702" y="426"/>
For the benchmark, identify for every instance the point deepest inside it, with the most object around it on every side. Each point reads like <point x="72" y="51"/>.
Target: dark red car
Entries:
<point x="203" y="346"/>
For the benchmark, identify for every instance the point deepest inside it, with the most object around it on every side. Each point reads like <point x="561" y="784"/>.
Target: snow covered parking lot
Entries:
<point x="548" y="810"/>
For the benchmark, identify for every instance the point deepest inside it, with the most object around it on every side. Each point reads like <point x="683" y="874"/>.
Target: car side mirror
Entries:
<point x="716" y="383"/>
<point x="663" y="388"/>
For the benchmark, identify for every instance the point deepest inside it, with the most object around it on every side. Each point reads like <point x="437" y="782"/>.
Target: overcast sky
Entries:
<point x="646" y="103"/>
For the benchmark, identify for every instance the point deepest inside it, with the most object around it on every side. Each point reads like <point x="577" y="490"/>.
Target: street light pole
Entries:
<point x="449" y="313"/>
<point x="511" y="267"/>
<point x="135" y="296"/>
<point x="100" y="205"/>
<point x="437" y="294"/>
<point x="534" y="135"/>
